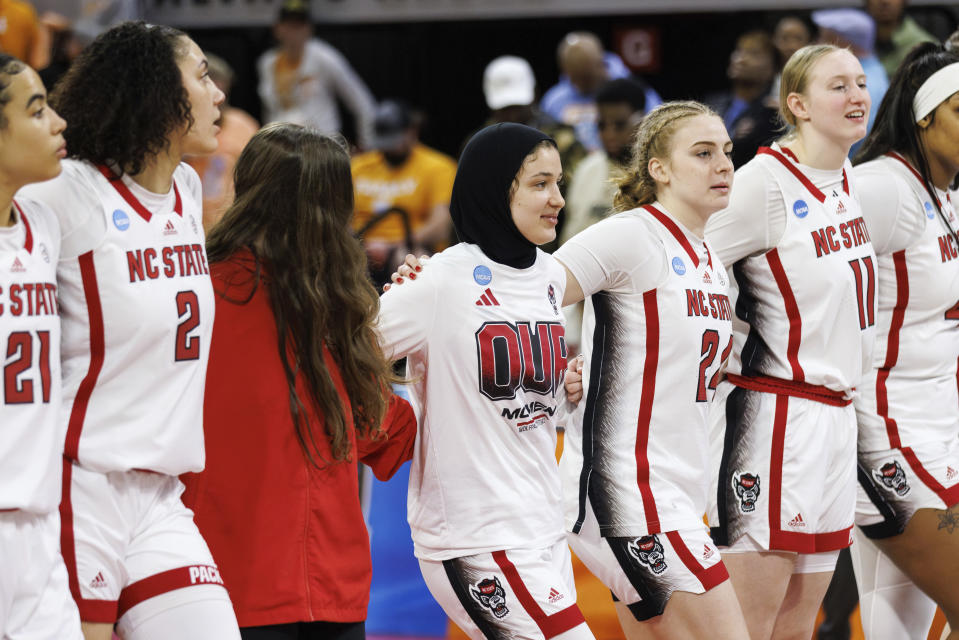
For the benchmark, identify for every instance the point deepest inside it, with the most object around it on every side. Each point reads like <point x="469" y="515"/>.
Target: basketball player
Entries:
<point x="784" y="429"/>
<point x="657" y="331"/>
<point x="485" y="343"/>
<point x="35" y="600"/>
<point x="137" y="310"/>
<point x="907" y="405"/>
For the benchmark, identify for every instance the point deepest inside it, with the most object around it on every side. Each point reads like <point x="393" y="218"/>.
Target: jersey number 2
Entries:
<point x="710" y="349"/>
<point x="188" y="310"/>
<point x="19" y="359"/>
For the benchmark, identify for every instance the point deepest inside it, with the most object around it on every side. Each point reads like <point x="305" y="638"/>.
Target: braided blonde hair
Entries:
<point x="653" y="138"/>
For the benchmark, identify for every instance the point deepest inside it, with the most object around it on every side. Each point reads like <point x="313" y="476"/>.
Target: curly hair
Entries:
<point x="124" y="97"/>
<point x="653" y="137"/>
<point x="9" y="66"/>
<point x="293" y="208"/>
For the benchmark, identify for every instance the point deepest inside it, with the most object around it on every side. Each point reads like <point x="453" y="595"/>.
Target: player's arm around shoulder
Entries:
<point x="408" y="310"/>
<point x="386" y="451"/>
<point x="894" y="216"/>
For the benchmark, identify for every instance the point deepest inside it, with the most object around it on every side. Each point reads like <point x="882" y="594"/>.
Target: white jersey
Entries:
<point x="32" y="442"/>
<point x="657" y="330"/>
<point x="910" y="394"/>
<point x="137" y="312"/>
<point x="806" y="307"/>
<point x="487" y="353"/>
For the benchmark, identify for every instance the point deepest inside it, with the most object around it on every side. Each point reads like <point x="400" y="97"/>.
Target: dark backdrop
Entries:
<point x="438" y="66"/>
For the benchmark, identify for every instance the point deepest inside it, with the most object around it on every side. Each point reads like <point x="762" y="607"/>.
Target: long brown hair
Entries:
<point x="294" y="202"/>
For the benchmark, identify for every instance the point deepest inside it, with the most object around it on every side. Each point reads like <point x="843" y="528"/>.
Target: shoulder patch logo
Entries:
<point x="482" y="275"/>
<point x="121" y="220"/>
<point x="800" y="208"/>
<point x="679" y="266"/>
<point x="490" y="594"/>
<point x="930" y="211"/>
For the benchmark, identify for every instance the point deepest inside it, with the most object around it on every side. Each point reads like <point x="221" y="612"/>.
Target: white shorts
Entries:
<point x="642" y="572"/>
<point x="517" y="593"/>
<point x="819" y="562"/>
<point x="895" y="483"/>
<point x="35" y="602"/>
<point x="787" y="473"/>
<point x="126" y="537"/>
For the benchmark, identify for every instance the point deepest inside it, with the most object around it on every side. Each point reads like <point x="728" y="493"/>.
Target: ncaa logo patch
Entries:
<point x="800" y="208"/>
<point x="121" y="220"/>
<point x="929" y="210"/>
<point x="679" y="266"/>
<point x="482" y="275"/>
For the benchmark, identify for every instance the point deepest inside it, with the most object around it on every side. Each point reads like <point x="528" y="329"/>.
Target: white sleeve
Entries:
<point x="754" y="221"/>
<point x="615" y="253"/>
<point x="73" y="198"/>
<point x="191" y="180"/>
<point x="408" y="313"/>
<point x="893" y="214"/>
<point x="265" y="87"/>
<point x="353" y="92"/>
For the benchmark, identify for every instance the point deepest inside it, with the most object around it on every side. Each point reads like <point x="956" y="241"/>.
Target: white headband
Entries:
<point x="935" y="90"/>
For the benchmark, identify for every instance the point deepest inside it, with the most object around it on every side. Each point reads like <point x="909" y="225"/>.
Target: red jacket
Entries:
<point x="289" y="539"/>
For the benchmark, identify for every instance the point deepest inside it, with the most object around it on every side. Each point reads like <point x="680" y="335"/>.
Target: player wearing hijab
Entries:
<point x="657" y="332"/>
<point x="907" y="405"/>
<point x="137" y="312"/>
<point x="35" y="600"/>
<point x="784" y="429"/>
<point x="485" y="344"/>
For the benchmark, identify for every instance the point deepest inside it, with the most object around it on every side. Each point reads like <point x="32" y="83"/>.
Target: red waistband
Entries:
<point x="778" y="386"/>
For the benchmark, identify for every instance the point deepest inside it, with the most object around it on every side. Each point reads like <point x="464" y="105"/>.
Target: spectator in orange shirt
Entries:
<point x="20" y="33"/>
<point x="402" y="192"/>
<point x="236" y="129"/>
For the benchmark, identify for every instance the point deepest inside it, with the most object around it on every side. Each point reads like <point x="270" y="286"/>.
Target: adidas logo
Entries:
<point x="487" y="299"/>
<point x="99" y="582"/>
<point x="950" y="473"/>
<point x="797" y="521"/>
<point x="707" y="552"/>
<point x="554" y="595"/>
<point x="17" y="266"/>
<point x="706" y="278"/>
<point x="169" y="229"/>
<point x="841" y="209"/>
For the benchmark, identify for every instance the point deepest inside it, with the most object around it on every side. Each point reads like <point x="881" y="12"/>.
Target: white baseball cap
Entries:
<point x="508" y="81"/>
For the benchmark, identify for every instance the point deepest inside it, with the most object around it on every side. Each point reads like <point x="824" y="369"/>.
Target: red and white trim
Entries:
<point x="792" y="313"/>
<point x="799" y="175"/>
<point x="709" y="577"/>
<point x="550" y="625"/>
<point x="28" y="239"/>
<point x="791" y="540"/>
<point x="117" y="183"/>
<point x="674" y="229"/>
<point x="892" y="348"/>
<point x="644" y="418"/>
<point x="160" y="583"/>
<point x="78" y="412"/>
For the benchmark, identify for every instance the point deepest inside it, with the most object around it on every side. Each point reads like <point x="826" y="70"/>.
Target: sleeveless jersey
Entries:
<point x="137" y="318"/>
<point x="810" y="301"/>
<point x="910" y="394"/>
<point x="654" y="345"/>
<point x="32" y="439"/>
<point x="487" y="353"/>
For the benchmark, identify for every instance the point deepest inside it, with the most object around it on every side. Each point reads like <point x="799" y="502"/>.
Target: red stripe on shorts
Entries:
<point x="892" y="348"/>
<point x="950" y="496"/>
<point x="646" y="411"/>
<point x="709" y="577"/>
<point x="90" y="610"/>
<point x="78" y="412"/>
<point x="160" y="583"/>
<point x="792" y="313"/>
<point x="551" y="626"/>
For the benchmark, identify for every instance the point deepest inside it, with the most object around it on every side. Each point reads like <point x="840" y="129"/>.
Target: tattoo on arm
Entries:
<point x="949" y="520"/>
